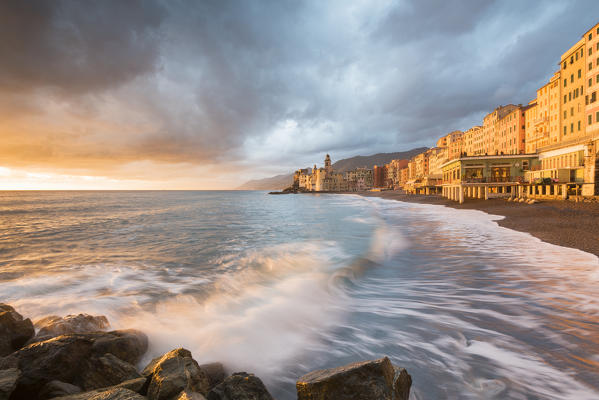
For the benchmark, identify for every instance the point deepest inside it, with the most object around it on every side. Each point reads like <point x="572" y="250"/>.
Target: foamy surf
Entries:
<point x="283" y="285"/>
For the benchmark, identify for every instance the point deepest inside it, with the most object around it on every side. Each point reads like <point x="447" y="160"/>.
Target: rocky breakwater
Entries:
<point x="77" y="358"/>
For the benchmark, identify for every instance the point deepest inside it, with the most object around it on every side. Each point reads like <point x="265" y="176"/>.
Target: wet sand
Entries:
<point x="564" y="223"/>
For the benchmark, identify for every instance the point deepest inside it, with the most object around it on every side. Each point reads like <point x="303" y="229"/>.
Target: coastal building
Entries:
<point x="379" y="176"/>
<point x="490" y="129"/>
<point x="510" y="132"/>
<point x="484" y="176"/>
<point x="591" y="171"/>
<point x="359" y="179"/>
<point x="473" y="141"/>
<point x="320" y="179"/>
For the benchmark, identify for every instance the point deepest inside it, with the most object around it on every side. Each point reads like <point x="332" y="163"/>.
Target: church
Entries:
<point x="320" y="179"/>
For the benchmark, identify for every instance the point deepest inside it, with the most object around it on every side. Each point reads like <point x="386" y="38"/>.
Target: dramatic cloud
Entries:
<point x="199" y="92"/>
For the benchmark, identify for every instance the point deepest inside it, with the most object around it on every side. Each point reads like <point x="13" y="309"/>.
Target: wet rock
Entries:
<point x="113" y="393"/>
<point x="215" y="371"/>
<point x="14" y="330"/>
<point x="188" y="395"/>
<point x="73" y="359"/>
<point x="377" y="379"/>
<point x="57" y="388"/>
<point x="240" y="386"/>
<point x="61" y="358"/>
<point x="139" y="385"/>
<point x="107" y="370"/>
<point x="173" y="372"/>
<point x="128" y="345"/>
<point x="82" y="323"/>
<point x="8" y="382"/>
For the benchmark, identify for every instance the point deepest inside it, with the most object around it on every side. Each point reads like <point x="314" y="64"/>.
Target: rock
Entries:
<point x="57" y="388"/>
<point x="74" y="358"/>
<point x="83" y="323"/>
<point x="240" y="386"/>
<point x="139" y="385"/>
<point x="14" y="330"/>
<point x="173" y="372"/>
<point x="61" y="358"/>
<point x="128" y="345"/>
<point x="215" y="371"/>
<point x="113" y="393"/>
<point x="107" y="370"/>
<point x="8" y="382"/>
<point x="188" y="395"/>
<point x="376" y="379"/>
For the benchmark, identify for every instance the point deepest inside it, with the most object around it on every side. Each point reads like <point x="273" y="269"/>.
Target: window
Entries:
<point x="566" y="96"/>
<point x="591" y="36"/>
<point x="579" y="73"/>
<point x="586" y="99"/>
<point x="578" y="125"/>
<point x="590" y="119"/>
<point x="570" y="96"/>
<point x="565" y="130"/>
<point x="597" y="79"/>
<point x="590" y="51"/>
<point x="594" y="97"/>
<point x="581" y="90"/>
<point x="566" y="63"/>
<point x="571" y="111"/>
<point x="591" y="82"/>
<point x="576" y="56"/>
<point x="571" y="127"/>
<point x="565" y="114"/>
<point x="590" y="65"/>
<point x="565" y="83"/>
<point x="597" y="116"/>
<point x="571" y="78"/>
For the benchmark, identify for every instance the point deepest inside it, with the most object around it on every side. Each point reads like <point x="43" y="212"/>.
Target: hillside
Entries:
<point x="282" y="181"/>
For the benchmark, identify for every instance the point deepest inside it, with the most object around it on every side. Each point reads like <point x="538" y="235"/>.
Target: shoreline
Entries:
<point x="563" y="223"/>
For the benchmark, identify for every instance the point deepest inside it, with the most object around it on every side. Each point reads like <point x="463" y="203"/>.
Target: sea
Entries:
<point x="282" y="285"/>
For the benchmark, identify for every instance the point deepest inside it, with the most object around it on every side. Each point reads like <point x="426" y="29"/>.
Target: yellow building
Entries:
<point x="509" y="134"/>
<point x="591" y="171"/>
<point x="472" y="141"/>
<point x="570" y="146"/>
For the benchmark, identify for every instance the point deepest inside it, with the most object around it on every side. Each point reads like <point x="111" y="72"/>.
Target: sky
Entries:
<point x="182" y="94"/>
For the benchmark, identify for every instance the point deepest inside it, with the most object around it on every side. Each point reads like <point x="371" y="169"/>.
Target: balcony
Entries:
<point x="540" y="120"/>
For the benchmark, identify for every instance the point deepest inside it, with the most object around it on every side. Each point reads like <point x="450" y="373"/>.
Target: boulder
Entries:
<point x="14" y="330"/>
<point x="240" y="386"/>
<point x="188" y="395"/>
<point x="8" y="382"/>
<point x="107" y="370"/>
<point x="112" y="393"/>
<point x="215" y="371"/>
<point x="376" y="379"/>
<point x="82" y="323"/>
<point x="139" y="385"/>
<point x="173" y="372"/>
<point x="57" y="388"/>
<point x="74" y="359"/>
<point x="128" y="345"/>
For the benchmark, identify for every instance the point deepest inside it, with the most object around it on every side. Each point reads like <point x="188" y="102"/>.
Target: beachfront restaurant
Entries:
<point x="486" y="176"/>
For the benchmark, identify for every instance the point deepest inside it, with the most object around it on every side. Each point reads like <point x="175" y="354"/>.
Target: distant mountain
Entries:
<point x="273" y="183"/>
<point x="282" y="181"/>
<point x="348" y="164"/>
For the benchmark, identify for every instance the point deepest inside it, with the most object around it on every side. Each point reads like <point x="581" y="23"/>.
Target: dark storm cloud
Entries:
<point x="76" y="46"/>
<point x="267" y="82"/>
